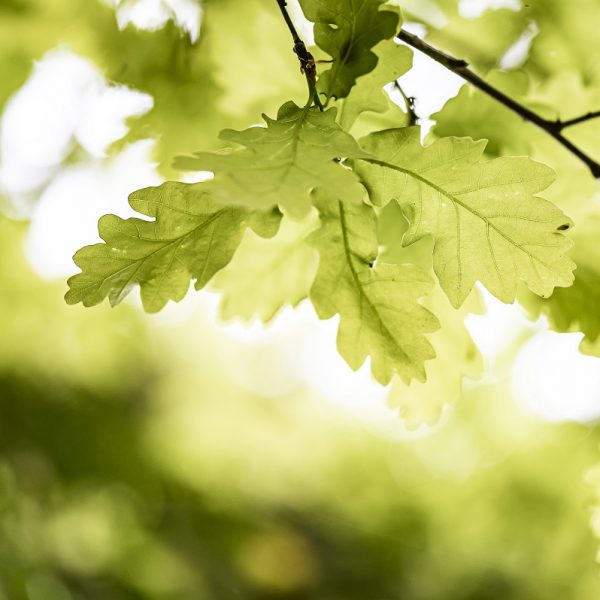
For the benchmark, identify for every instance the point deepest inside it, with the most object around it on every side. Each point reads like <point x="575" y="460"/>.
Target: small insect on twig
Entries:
<point x="307" y="62"/>
<point x="308" y="66"/>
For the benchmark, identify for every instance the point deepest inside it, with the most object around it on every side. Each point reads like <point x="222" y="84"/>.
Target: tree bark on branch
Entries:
<point x="461" y="68"/>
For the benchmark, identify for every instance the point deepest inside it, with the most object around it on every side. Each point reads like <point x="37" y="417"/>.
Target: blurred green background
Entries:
<point x="175" y="458"/>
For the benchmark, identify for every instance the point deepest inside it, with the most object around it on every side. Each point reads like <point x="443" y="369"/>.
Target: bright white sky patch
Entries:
<point x="496" y="331"/>
<point x="517" y="54"/>
<point x="65" y="101"/>
<point x="105" y="110"/>
<point x="552" y="379"/>
<point x="66" y="217"/>
<point x="429" y="82"/>
<point x="304" y="27"/>
<point x="154" y="14"/>
<point x="471" y="9"/>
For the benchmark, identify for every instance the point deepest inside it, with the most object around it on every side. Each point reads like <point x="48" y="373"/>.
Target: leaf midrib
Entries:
<point x="141" y="261"/>
<point x="455" y="200"/>
<point x="357" y="282"/>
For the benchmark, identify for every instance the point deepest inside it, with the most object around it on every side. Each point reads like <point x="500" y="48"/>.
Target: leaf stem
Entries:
<point x="307" y="62"/>
<point x="409" y="102"/>
<point x="461" y="68"/>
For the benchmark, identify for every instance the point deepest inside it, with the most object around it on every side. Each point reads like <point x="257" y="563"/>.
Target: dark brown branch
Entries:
<point x="570" y="122"/>
<point x="282" y="5"/>
<point x="307" y="62"/>
<point x="461" y="68"/>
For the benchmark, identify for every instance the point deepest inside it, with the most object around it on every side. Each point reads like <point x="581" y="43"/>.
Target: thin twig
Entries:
<point x="307" y="62"/>
<point x="461" y="68"/>
<point x="409" y="102"/>
<point x="570" y="122"/>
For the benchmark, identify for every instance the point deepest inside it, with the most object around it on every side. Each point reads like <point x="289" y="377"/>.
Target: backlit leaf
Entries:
<point x="368" y="93"/>
<point x="265" y="275"/>
<point x="283" y="162"/>
<point x="485" y="220"/>
<point x="191" y="237"/>
<point x="576" y="308"/>
<point x="347" y="30"/>
<point x="456" y="357"/>
<point x="380" y="315"/>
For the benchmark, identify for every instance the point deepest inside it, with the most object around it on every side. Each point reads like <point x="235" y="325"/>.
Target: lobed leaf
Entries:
<point x="368" y="93"/>
<point x="378" y="304"/>
<point x="347" y="30"/>
<point x="567" y="38"/>
<point x="486" y="222"/>
<point x="576" y="308"/>
<point x="457" y="355"/>
<point x="473" y="113"/>
<point x="457" y="358"/>
<point x="482" y="41"/>
<point x="283" y="162"/>
<point x="265" y="275"/>
<point x="192" y="237"/>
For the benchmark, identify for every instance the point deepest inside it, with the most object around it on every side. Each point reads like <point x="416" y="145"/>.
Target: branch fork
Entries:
<point x="552" y="128"/>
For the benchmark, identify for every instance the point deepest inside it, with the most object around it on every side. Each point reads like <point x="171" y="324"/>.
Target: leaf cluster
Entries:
<point x="332" y="204"/>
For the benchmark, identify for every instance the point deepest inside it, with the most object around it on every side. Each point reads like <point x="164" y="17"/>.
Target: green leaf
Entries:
<point x="485" y="220"/>
<point x="250" y="77"/>
<point x="432" y="13"/>
<point x="473" y="113"/>
<point x="265" y="275"/>
<point x="567" y="39"/>
<point x="457" y="357"/>
<point x="377" y="303"/>
<point x="563" y="96"/>
<point x="482" y="41"/>
<point x="456" y="354"/>
<point x="576" y="308"/>
<point x="283" y="162"/>
<point x="192" y="237"/>
<point x="368" y="93"/>
<point x="347" y="30"/>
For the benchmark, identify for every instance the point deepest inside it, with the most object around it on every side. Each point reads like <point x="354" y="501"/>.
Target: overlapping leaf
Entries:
<point x="192" y="237"/>
<point x="482" y="41"/>
<point x="378" y="304"/>
<point x="283" y="162"/>
<point x="457" y="356"/>
<point x="485" y="220"/>
<point x="368" y="93"/>
<point x="473" y="113"/>
<point x="577" y="308"/>
<point x="266" y="275"/>
<point x="347" y="30"/>
<point x="567" y="39"/>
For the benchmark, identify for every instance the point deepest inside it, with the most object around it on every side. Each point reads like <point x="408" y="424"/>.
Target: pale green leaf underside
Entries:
<point x="378" y="304"/>
<point x="266" y="275"/>
<point x="457" y="357"/>
<point x="347" y="30"/>
<point x="368" y="93"/>
<point x="192" y="237"/>
<point x="486" y="222"/>
<point x="577" y="308"/>
<point x="283" y="162"/>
